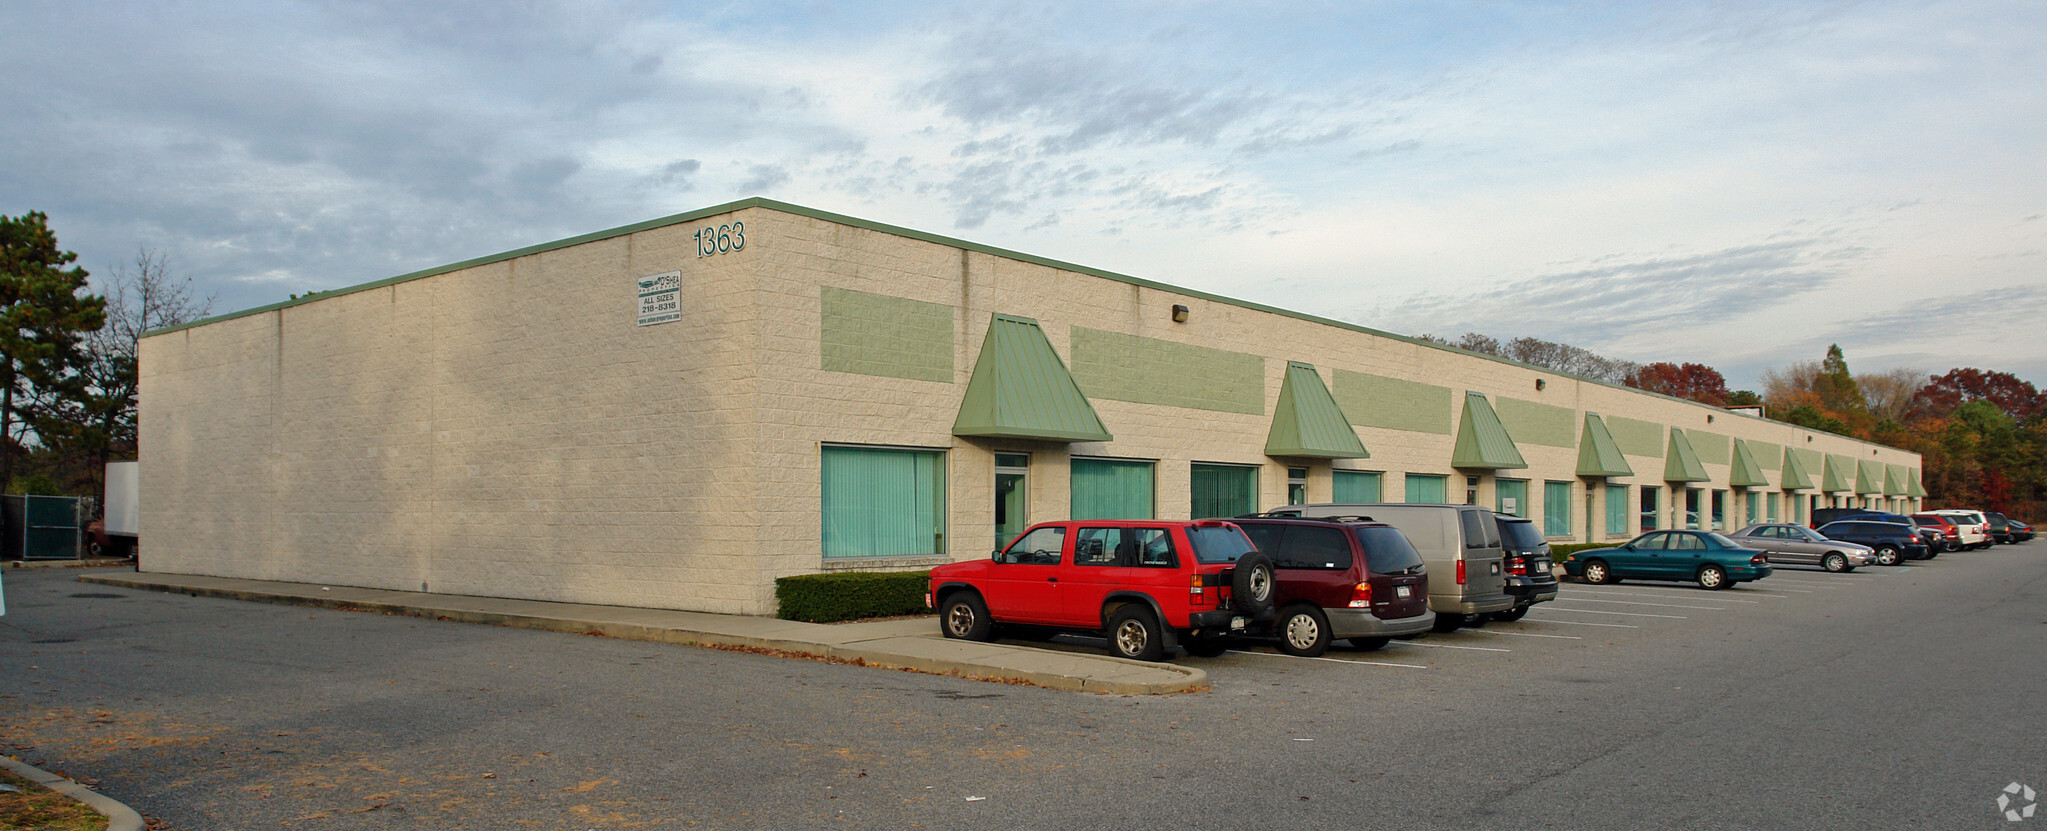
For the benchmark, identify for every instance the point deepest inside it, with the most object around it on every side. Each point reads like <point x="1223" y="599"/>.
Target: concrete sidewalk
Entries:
<point x="909" y="644"/>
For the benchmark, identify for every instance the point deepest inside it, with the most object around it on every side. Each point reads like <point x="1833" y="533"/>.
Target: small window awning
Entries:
<point x="1306" y="421"/>
<point x="1894" y="480"/>
<point x="1021" y="390"/>
<point x="1598" y="455"/>
<point x="1869" y="477"/>
<point x="1482" y="442"/>
<point x="1680" y="461"/>
<point x="1747" y="473"/>
<point x="1838" y="475"/>
<point x="1796" y="477"/>
<point x="1912" y="486"/>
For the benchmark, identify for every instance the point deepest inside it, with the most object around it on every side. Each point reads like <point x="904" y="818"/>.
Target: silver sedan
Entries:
<point x="1796" y="544"/>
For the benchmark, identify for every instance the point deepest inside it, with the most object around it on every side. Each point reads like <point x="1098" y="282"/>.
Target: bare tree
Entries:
<point x="1889" y="394"/>
<point x="140" y="299"/>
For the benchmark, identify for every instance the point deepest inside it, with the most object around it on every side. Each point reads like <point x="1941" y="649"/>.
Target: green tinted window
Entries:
<point x="880" y="502"/>
<point x="1112" y="489"/>
<point x="1616" y="509"/>
<point x="1556" y="508"/>
<point x="1426" y="489"/>
<point x="1223" y="491"/>
<point x="1357" y="486"/>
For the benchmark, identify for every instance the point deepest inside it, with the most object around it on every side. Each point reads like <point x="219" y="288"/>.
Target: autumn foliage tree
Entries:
<point x="1697" y="382"/>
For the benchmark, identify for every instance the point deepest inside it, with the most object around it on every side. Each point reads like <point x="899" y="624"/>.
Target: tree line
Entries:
<point x="1982" y="434"/>
<point x="68" y="369"/>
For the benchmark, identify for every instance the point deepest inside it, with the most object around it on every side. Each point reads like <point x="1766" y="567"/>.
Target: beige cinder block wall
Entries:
<point x="504" y="428"/>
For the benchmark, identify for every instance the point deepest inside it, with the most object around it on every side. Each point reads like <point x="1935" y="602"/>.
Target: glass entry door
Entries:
<point x="1012" y="494"/>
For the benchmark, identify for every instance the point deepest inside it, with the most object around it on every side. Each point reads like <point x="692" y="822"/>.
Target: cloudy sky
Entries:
<point x="1734" y="183"/>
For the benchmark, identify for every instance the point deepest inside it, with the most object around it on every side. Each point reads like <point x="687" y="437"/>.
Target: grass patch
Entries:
<point x="40" y="809"/>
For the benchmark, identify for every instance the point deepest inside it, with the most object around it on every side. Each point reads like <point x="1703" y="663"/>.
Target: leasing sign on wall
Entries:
<point x="660" y="298"/>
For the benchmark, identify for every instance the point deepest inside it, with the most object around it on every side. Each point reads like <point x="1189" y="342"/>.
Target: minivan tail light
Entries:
<point x="1361" y="596"/>
<point x="1460" y="572"/>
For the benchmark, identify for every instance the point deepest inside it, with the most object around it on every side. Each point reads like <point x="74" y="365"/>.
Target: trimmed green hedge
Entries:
<point x="851" y="595"/>
<point x="1559" y="552"/>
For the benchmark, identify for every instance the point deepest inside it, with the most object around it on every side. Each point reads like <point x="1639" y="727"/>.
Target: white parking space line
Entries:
<point x="1626" y="614"/>
<point x="1492" y="631"/>
<point x="1670" y="591"/>
<point x="1448" y="646"/>
<point x="1581" y="623"/>
<point x="1640" y="603"/>
<point x="1665" y="596"/>
<point x="1331" y="660"/>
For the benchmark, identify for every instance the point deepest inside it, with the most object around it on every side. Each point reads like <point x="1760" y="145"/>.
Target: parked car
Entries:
<point x="1147" y="586"/>
<point x="1340" y="579"/>
<point x="1975" y="527"/>
<point x="1713" y="560"/>
<point x="1526" y="559"/>
<point x="1822" y="516"/>
<point x="2000" y="528"/>
<point x="2021" y="532"/>
<point x="1889" y="540"/>
<point x="1460" y="544"/>
<point x="1934" y="540"/>
<point x="1950" y="535"/>
<point x="1791" y="543"/>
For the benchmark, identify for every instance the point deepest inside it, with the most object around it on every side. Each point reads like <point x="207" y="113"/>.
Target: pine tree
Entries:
<point x="43" y="322"/>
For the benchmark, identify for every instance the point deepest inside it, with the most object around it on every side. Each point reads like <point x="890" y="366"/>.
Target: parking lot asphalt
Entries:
<point x="1901" y="697"/>
<point x="913" y="644"/>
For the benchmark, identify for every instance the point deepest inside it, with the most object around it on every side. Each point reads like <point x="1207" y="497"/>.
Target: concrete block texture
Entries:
<point x="508" y="429"/>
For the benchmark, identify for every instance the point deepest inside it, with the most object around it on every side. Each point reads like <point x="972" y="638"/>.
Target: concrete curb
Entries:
<point x="119" y="817"/>
<point x="847" y="643"/>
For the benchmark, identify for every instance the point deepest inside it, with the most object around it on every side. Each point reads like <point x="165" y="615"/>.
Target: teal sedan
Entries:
<point x="1713" y="561"/>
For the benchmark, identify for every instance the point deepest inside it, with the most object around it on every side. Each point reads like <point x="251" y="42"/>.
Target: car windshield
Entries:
<point x="1521" y="535"/>
<point x="1387" y="551"/>
<point x="1218" y="544"/>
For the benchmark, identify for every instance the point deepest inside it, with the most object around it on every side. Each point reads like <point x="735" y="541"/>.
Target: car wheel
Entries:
<point x="1886" y="555"/>
<point x="1135" y="634"/>
<point x="1251" y="584"/>
<point x="1951" y="545"/>
<point x="1835" y="561"/>
<point x="1370" y="644"/>
<point x="1207" y="646"/>
<point x="1303" y="631"/>
<point x="1712" y="577"/>
<point x="965" y="617"/>
<point x="1449" y="621"/>
<point x="1597" y="572"/>
<point x="1511" y="615"/>
<point x="95" y="549"/>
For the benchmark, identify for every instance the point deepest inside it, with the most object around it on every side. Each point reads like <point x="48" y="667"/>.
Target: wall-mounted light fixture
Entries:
<point x="1540" y="383"/>
<point x="1808" y="439"/>
<point x="1179" y="314"/>
<point x="1709" y="418"/>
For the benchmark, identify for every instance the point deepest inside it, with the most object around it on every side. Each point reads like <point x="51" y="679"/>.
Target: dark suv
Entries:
<point x="1147" y="586"/>
<point x="1341" y="577"/>
<point x="1890" y="540"/>
<point x="1527" y="565"/>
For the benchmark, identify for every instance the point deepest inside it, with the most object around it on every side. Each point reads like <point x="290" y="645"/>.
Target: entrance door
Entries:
<point x="1012" y="495"/>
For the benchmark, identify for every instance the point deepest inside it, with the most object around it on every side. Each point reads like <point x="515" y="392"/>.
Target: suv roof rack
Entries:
<point x="1291" y="515"/>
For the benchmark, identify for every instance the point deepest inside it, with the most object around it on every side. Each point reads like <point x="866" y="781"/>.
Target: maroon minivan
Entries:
<point x="1341" y="578"/>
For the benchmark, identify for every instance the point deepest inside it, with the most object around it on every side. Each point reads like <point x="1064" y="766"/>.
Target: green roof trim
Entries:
<point x="1869" y="477"/>
<point x="1598" y="454"/>
<point x="1746" y="473"/>
<point x="1912" y="486"/>
<point x="1838" y="474"/>
<point x="1021" y="390"/>
<point x="1796" y="478"/>
<point x="1482" y="442"/>
<point x="1894" y="480"/>
<point x="1680" y="461"/>
<point x="1307" y="422"/>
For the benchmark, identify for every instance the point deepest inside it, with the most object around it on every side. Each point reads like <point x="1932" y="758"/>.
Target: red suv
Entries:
<point x="1148" y="586"/>
<point x="1950" y="534"/>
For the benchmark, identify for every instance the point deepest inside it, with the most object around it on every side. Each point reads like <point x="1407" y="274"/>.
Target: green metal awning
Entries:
<point x="1869" y="477"/>
<point x="1747" y="473"/>
<point x="1796" y="477"/>
<point x="1598" y="455"/>
<point x="1838" y="475"/>
<point x="1912" y="486"/>
<point x="1894" y="480"/>
<point x="1021" y="390"/>
<point x="1307" y="422"/>
<point x="1482" y="442"/>
<point x="1681" y="462"/>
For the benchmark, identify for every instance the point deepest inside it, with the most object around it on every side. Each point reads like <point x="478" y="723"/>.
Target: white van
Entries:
<point x="1459" y="543"/>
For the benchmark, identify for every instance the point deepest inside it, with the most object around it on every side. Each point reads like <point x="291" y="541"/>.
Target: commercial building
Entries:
<point x="672" y="414"/>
